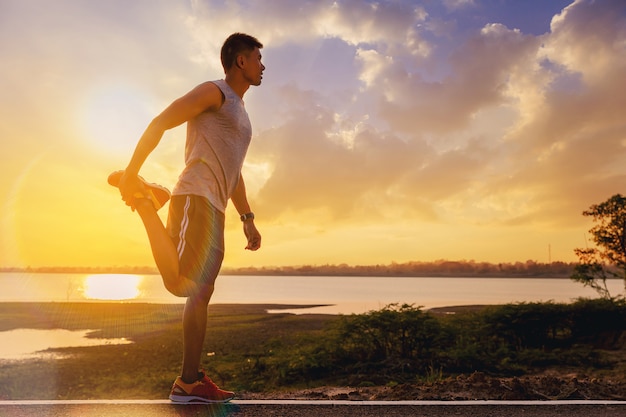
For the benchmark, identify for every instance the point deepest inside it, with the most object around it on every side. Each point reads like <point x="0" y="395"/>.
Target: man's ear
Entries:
<point x="239" y="61"/>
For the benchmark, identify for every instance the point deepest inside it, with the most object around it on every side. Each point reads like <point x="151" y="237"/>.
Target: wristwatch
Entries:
<point x="247" y="216"/>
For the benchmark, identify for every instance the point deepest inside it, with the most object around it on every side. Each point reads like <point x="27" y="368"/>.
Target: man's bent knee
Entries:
<point x="183" y="287"/>
<point x="203" y="294"/>
<point x="186" y="288"/>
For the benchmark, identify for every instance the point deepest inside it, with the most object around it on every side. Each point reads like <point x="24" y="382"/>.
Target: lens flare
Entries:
<point x="112" y="286"/>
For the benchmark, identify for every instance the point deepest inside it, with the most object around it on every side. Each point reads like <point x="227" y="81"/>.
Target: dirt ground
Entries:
<point x="477" y="386"/>
<point x="556" y="384"/>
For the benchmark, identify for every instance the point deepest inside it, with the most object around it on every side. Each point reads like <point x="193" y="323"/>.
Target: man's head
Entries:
<point x="235" y="45"/>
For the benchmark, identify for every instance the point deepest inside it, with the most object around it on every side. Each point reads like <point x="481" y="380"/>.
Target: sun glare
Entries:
<point x="112" y="287"/>
<point x="114" y="116"/>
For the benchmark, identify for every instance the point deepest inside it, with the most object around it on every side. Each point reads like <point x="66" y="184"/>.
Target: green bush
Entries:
<point x="397" y="343"/>
<point x="402" y="343"/>
<point x="599" y="323"/>
<point x="401" y="332"/>
<point x="528" y="325"/>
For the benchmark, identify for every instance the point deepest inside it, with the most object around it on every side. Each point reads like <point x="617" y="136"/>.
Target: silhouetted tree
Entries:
<point x="608" y="258"/>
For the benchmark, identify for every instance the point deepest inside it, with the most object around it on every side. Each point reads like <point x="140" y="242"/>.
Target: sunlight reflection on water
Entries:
<point x="20" y="344"/>
<point x="112" y="286"/>
<point x="340" y="295"/>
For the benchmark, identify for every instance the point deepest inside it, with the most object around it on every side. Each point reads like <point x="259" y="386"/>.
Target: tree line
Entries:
<point x="439" y="268"/>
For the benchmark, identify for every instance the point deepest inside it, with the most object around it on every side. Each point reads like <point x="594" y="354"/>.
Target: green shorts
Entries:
<point x="197" y="230"/>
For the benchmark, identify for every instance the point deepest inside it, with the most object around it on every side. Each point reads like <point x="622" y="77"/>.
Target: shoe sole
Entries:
<point x="191" y="399"/>
<point x="158" y="194"/>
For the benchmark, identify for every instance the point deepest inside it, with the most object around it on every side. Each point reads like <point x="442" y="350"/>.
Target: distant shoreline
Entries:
<point x="313" y="275"/>
<point x="442" y="268"/>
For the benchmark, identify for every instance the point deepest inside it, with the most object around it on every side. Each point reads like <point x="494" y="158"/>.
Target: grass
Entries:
<point x="237" y="334"/>
<point x="248" y="349"/>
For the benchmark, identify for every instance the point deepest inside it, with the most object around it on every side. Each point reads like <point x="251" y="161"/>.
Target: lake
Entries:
<point x="339" y="295"/>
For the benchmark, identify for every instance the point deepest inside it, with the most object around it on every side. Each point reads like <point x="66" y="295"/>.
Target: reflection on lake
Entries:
<point x="112" y="286"/>
<point x="342" y="294"/>
<point x="23" y="344"/>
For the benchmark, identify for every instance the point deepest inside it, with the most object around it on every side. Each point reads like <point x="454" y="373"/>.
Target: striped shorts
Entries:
<point x="197" y="230"/>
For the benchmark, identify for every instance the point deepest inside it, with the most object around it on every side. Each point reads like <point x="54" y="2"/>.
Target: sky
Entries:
<point x="388" y="131"/>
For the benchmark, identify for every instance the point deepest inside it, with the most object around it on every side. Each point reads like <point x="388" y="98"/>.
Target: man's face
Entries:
<point x="253" y="67"/>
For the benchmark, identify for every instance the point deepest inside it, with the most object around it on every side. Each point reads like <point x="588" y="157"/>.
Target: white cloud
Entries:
<point x="373" y="65"/>
<point x="589" y="37"/>
<point x="434" y="155"/>
<point x="479" y="74"/>
<point x="567" y="146"/>
<point x="379" y="24"/>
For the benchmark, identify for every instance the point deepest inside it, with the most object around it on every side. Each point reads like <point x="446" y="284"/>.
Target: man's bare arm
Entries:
<point x="206" y="96"/>
<point x="240" y="201"/>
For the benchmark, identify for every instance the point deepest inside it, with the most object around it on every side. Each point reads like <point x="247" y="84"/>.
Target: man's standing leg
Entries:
<point x="194" y="332"/>
<point x="196" y="228"/>
<point x="194" y="385"/>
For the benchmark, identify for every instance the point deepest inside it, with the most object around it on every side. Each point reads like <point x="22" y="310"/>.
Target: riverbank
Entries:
<point x="238" y="335"/>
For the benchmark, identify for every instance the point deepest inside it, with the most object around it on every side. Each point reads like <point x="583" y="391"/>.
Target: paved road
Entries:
<point x="312" y="409"/>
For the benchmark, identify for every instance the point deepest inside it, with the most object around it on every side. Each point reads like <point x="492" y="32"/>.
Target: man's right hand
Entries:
<point x="130" y="185"/>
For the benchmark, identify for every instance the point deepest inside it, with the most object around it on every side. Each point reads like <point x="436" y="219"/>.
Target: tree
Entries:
<point x="608" y="259"/>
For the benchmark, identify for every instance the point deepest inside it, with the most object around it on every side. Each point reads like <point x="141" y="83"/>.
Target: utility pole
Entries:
<point x="549" y="253"/>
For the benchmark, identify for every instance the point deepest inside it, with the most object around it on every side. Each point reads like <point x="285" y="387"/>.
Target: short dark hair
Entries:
<point x="236" y="44"/>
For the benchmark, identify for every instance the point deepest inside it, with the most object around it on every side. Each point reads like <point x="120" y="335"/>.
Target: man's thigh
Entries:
<point x="197" y="230"/>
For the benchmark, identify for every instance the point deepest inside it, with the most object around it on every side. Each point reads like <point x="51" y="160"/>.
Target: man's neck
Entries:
<point x="238" y="85"/>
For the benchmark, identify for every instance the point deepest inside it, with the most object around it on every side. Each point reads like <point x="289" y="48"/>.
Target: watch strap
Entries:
<point x="247" y="216"/>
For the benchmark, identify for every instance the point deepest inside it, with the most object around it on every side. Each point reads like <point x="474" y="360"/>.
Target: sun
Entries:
<point x="112" y="286"/>
<point x="113" y="117"/>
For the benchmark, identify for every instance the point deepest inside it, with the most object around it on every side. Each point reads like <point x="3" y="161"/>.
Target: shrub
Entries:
<point x="400" y="344"/>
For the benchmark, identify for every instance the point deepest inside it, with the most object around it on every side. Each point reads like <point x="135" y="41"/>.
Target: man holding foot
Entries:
<point x="189" y="251"/>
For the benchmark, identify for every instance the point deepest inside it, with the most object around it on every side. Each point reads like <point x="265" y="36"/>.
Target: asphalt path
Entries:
<point x="302" y="408"/>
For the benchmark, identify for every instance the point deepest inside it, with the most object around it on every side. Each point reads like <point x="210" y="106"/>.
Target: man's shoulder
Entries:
<point x="212" y="85"/>
<point x="210" y="93"/>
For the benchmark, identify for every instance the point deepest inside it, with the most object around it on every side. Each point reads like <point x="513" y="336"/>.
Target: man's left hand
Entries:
<point x="252" y="234"/>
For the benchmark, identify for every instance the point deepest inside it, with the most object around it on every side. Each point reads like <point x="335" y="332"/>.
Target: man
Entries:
<point x="189" y="251"/>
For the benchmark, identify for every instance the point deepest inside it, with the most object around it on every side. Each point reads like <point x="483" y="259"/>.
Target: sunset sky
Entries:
<point x="387" y="131"/>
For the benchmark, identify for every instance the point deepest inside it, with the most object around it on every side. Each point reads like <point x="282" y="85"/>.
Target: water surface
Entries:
<point x="342" y="294"/>
<point x="20" y="344"/>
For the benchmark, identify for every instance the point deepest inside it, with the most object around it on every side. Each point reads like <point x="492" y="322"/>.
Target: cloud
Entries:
<point x="385" y="26"/>
<point x="589" y="37"/>
<point x="321" y="162"/>
<point x="479" y="73"/>
<point x="570" y="147"/>
<point x="554" y="153"/>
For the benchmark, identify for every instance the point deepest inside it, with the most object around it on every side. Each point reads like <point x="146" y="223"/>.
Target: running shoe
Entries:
<point x="204" y="390"/>
<point x="157" y="194"/>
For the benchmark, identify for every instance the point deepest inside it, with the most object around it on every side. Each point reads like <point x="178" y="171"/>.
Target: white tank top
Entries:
<point x="217" y="143"/>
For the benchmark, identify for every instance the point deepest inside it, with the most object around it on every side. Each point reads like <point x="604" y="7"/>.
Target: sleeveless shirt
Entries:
<point x="217" y="143"/>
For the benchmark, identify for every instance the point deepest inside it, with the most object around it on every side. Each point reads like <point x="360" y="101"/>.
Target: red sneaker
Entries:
<point x="204" y="391"/>
<point x="157" y="194"/>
